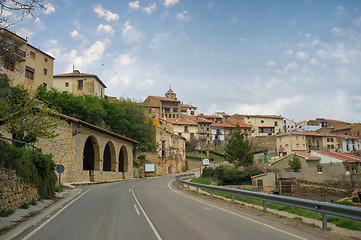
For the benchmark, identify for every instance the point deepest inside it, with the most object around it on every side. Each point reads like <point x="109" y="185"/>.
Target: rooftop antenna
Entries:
<point x="73" y="67"/>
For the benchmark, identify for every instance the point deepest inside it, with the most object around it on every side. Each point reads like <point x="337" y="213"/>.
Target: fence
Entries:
<point x="322" y="207"/>
<point x="20" y="143"/>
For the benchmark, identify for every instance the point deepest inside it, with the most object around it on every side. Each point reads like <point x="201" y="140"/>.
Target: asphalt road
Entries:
<point x="154" y="209"/>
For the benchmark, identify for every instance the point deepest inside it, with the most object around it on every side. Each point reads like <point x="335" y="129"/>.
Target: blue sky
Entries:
<point x="299" y="59"/>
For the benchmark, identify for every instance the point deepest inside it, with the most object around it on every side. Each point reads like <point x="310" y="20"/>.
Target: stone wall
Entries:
<point x="13" y="192"/>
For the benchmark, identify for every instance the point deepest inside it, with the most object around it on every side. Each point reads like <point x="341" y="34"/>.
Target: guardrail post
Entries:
<point x="188" y="187"/>
<point x="211" y="193"/>
<point x="264" y="206"/>
<point x="232" y="198"/>
<point x="324" y="222"/>
<point x="197" y="190"/>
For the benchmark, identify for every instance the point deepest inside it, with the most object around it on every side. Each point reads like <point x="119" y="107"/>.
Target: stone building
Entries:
<point x="79" y="83"/>
<point x="88" y="153"/>
<point x="24" y="63"/>
<point x="163" y="107"/>
<point x="262" y="125"/>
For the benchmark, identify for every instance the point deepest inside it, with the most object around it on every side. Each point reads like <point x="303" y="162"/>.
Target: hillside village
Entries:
<point x="318" y="142"/>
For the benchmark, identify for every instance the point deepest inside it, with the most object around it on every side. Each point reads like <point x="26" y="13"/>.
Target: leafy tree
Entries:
<point x="21" y="114"/>
<point x="123" y="116"/>
<point x="238" y="149"/>
<point x="14" y="11"/>
<point x="295" y="164"/>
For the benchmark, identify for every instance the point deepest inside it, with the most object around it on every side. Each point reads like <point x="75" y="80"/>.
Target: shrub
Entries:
<point x="24" y="206"/>
<point x="141" y="156"/>
<point x="255" y="171"/>
<point x="208" y="172"/>
<point x="6" y="213"/>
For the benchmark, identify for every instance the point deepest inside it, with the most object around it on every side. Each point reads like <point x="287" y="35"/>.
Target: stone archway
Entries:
<point x="109" y="157"/>
<point x="90" y="154"/>
<point x="123" y="160"/>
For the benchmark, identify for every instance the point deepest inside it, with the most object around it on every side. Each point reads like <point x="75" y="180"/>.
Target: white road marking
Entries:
<point x="136" y="209"/>
<point x="146" y="217"/>
<point x="54" y="216"/>
<point x="249" y="219"/>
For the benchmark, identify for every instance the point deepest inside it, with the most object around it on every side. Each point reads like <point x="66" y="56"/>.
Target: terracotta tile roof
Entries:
<point x="345" y="127"/>
<point x="187" y="106"/>
<point x="307" y="156"/>
<point x="223" y="114"/>
<point x="76" y="75"/>
<point x="329" y="120"/>
<point x="300" y="133"/>
<point x="299" y="123"/>
<point x="342" y="156"/>
<point x="164" y="99"/>
<point x="222" y="124"/>
<point x="211" y="116"/>
<point x="199" y="119"/>
<point x="180" y="121"/>
<point x="238" y="122"/>
<point x="264" y="116"/>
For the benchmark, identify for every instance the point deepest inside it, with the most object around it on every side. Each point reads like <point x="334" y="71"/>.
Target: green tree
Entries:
<point x="295" y="164"/>
<point x="238" y="149"/>
<point x="22" y="116"/>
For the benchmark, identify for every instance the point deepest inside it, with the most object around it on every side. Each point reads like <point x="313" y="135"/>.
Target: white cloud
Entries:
<point x="49" y="8"/>
<point x="308" y="36"/>
<point x="183" y="15"/>
<point x="357" y="21"/>
<point x="108" y="15"/>
<point x="134" y="5"/>
<point x="288" y="52"/>
<point x="150" y="8"/>
<point x="75" y="34"/>
<point x="90" y="55"/>
<point x="146" y="84"/>
<point x="340" y="9"/>
<point x="126" y="59"/>
<point x="117" y="80"/>
<point x="105" y="28"/>
<point x="159" y="40"/>
<point x="313" y="61"/>
<point x="301" y="55"/>
<point x="338" y="32"/>
<point x="25" y="33"/>
<point x="242" y="39"/>
<point x="130" y="34"/>
<point x="168" y="3"/>
<point x="273" y="81"/>
<point x="291" y="66"/>
<point x="321" y="53"/>
<point x="274" y="107"/>
<point x="316" y="42"/>
<point x="271" y="63"/>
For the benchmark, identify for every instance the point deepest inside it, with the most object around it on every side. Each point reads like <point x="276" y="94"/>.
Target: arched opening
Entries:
<point x="123" y="160"/>
<point x="109" y="157"/>
<point x="88" y="155"/>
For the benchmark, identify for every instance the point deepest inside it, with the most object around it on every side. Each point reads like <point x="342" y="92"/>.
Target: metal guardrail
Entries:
<point x="20" y="143"/>
<point x="324" y="208"/>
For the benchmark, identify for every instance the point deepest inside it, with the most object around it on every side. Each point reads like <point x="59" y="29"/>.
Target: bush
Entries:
<point x="24" y="206"/>
<point x="255" y="171"/>
<point x="6" y="213"/>
<point x="32" y="167"/>
<point x="208" y="172"/>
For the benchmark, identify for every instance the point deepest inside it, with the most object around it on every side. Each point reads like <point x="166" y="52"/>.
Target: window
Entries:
<point x="319" y="169"/>
<point x="276" y="124"/>
<point x="66" y="84"/>
<point x="45" y="85"/>
<point x="192" y="113"/>
<point x="29" y="72"/>
<point x="45" y="60"/>
<point x="80" y="84"/>
<point x="9" y="64"/>
<point x="32" y="55"/>
<point x="45" y="71"/>
<point x="185" y="128"/>
<point x="262" y="121"/>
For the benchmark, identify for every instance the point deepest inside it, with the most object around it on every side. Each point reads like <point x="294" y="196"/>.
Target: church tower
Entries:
<point x="170" y="94"/>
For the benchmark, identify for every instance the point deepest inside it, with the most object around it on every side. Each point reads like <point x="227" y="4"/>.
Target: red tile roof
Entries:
<point x="75" y="75"/>
<point x="222" y="124"/>
<point x="264" y="116"/>
<point x="199" y="119"/>
<point x="307" y="156"/>
<point x="180" y="121"/>
<point x="187" y="106"/>
<point x="300" y="133"/>
<point x="342" y="156"/>
<point x="211" y="116"/>
<point x="345" y="127"/>
<point x="238" y="122"/>
<point x="164" y="99"/>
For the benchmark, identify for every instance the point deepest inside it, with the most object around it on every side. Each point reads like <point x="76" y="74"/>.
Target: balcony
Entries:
<point x="12" y="51"/>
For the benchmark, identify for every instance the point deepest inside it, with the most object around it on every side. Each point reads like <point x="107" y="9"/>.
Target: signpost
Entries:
<point x="59" y="169"/>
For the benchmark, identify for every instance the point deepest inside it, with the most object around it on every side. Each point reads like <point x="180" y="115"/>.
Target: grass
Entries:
<point x="6" y="213"/>
<point x="24" y="206"/>
<point x="33" y="202"/>
<point x="217" y="159"/>
<point x="338" y="221"/>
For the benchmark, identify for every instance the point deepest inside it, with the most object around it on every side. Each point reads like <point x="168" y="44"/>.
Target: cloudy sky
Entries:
<point x="300" y="59"/>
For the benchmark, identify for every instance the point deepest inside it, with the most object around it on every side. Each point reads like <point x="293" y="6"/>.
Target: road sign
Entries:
<point x="206" y="162"/>
<point x="60" y="168"/>
<point x="149" y="167"/>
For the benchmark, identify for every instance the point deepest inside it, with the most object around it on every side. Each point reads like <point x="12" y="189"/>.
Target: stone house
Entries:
<point x="24" y="63"/>
<point x="181" y="127"/>
<point x="262" y="125"/>
<point x="187" y="109"/>
<point x="163" y="107"/>
<point x="318" y="166"/>
<point x="79" y="83"/>
<point x="204" y="129"/>
<point x="88" y="153"/>
<point x="265" y="182"/>
<point x="170" y="145"/>
<point x="349" y="130"/>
